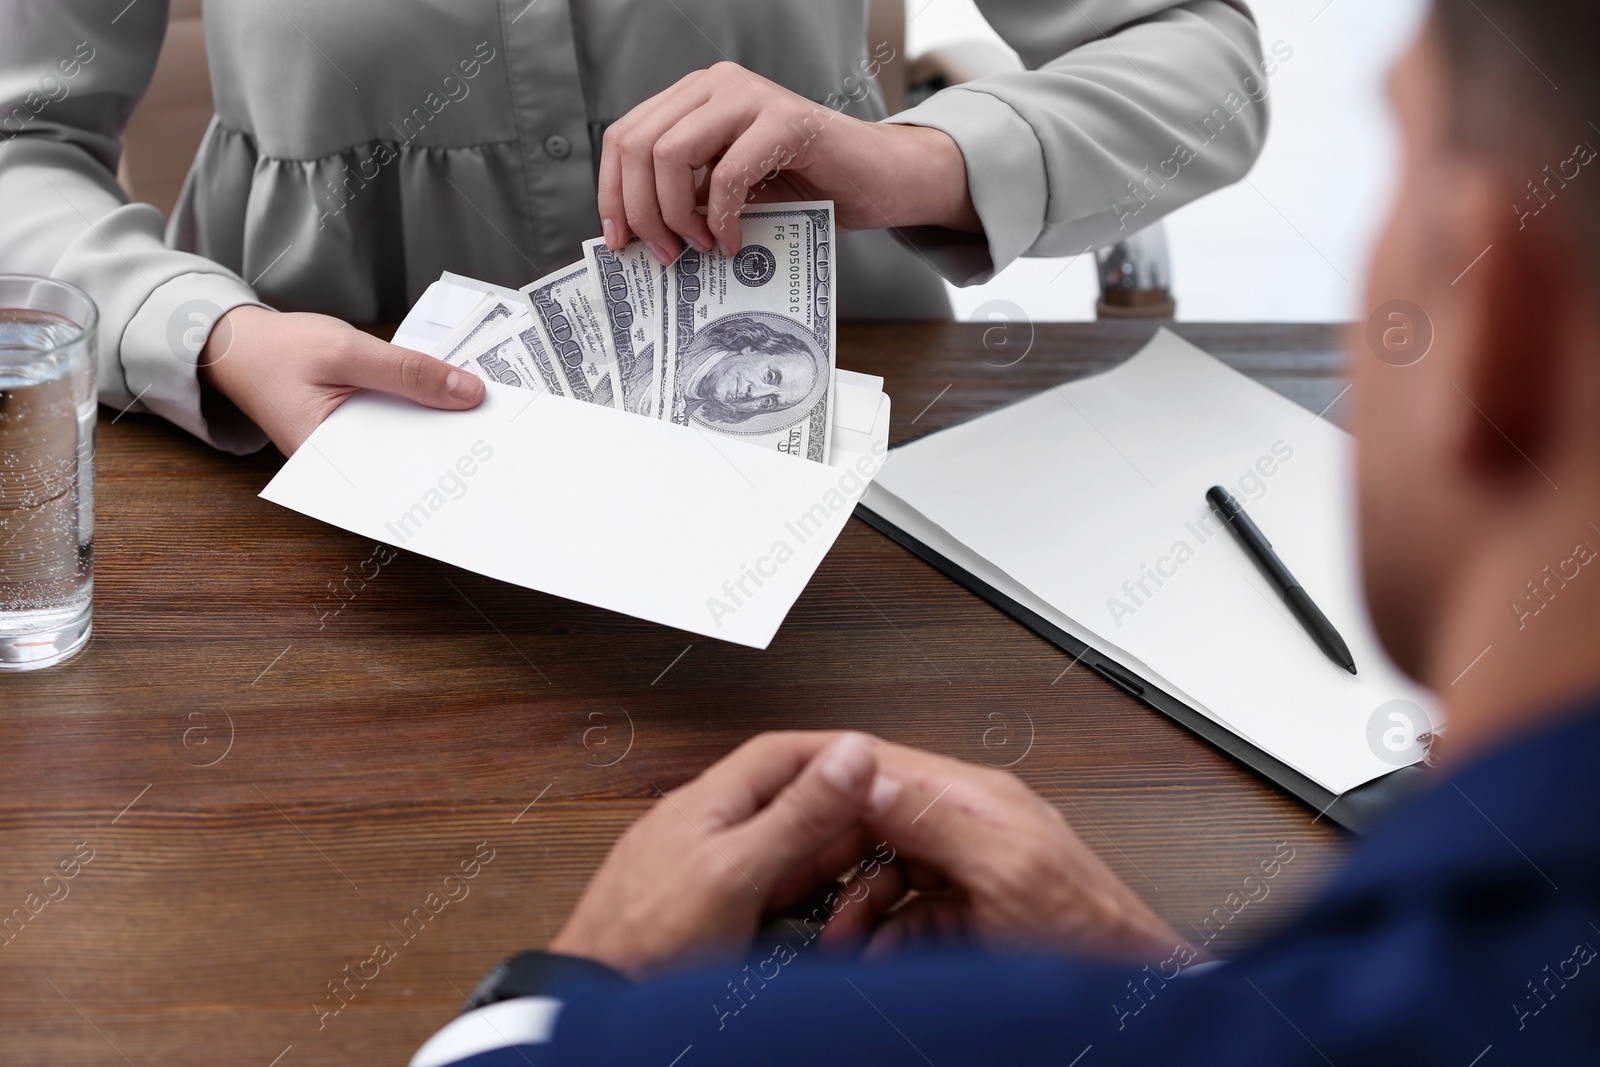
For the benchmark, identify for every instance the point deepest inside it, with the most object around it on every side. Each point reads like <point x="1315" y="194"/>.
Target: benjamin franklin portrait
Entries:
<point x="753" y="373"/>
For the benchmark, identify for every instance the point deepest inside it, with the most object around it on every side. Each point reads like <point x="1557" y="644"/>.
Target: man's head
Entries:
<point x="1477" y="400"/>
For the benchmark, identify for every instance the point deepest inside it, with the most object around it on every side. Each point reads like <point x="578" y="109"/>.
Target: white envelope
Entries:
<point x="654" y="520"/>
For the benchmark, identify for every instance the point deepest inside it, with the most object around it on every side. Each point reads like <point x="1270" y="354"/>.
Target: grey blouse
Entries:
<point x="361" y="147"/>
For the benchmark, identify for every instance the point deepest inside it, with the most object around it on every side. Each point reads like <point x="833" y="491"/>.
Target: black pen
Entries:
<point x="1260" y="549"/>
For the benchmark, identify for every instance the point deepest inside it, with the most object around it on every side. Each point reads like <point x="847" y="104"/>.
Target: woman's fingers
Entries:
<point x="610" y="199"/>
<point x="613" y="216"/>
<point x="289" y="371"/>
<point x="640" y="209"/>
<point x="373" y="364"/>
<point x="632" y="140"/>
<point x="685" y="151"/>
<point x="766" y="146"/>
<point x="652" y="156"/>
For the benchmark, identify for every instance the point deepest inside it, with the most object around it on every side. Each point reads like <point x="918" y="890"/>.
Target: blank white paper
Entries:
<point x="1092" y="497"/>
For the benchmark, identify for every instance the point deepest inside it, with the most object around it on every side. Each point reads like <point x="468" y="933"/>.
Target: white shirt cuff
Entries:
<point x="523" y="1021"/>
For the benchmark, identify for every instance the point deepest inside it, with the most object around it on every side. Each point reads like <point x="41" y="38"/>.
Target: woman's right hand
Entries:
<point x="288" y="371"/>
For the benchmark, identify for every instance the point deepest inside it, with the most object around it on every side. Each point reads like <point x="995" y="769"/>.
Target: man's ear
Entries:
<point x="1519" y="312"/>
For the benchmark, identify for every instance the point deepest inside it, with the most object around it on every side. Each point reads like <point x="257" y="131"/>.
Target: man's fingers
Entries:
<point x="816" y="870"/>
<point x="926" y="879"/>
<point x="742" y="782"/>
<point x="375" y="364"/>
<point x="947" y="815"/>
<point x="924" y="921"/>
<point x="866" y="900"/>
<point x="827" y="797"/>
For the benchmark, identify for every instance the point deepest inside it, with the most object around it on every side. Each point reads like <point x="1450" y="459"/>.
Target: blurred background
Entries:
<point x="1287" y="244"/>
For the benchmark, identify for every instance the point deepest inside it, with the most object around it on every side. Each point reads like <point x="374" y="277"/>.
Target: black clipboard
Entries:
<point x="1357" y="810"/>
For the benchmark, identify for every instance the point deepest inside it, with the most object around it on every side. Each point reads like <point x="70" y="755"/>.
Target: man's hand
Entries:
<point x="757" y="831"/>
<point x="288" y="372"/>
<point x="725" y="136"/>
<point x="995" y="860"/>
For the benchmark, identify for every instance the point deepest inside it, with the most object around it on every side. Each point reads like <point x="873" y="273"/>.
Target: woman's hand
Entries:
<point x="288" y="372"/>
<point x="755" y="833"/>
<point x="724" y="136"/>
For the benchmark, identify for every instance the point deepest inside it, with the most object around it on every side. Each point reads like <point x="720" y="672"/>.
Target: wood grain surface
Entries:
<point x="277" y="745"/>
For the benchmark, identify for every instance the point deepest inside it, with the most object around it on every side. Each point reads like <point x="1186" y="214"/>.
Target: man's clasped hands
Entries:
<point x="904" y="848"/>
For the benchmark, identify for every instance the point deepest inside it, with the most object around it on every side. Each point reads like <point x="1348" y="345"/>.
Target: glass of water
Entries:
<point x="47" y="415"/>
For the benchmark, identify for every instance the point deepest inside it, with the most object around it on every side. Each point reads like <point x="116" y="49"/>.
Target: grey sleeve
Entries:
<point x="1128" y="110"/>
<point x="71" y="72"/>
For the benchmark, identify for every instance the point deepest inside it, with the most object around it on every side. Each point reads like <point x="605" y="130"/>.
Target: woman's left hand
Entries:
<point x="725" y="136"/>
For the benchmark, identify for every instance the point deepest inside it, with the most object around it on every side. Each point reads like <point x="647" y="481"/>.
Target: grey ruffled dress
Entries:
<point x="361" y="147"/>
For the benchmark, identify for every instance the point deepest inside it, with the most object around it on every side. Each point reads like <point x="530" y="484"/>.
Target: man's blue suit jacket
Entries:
<point x="1463" y="932"/>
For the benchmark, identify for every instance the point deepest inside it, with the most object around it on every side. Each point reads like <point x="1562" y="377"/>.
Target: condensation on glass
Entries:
<point x="47" y="423"/>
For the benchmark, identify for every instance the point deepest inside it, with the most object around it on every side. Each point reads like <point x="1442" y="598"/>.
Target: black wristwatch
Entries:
<point x="534" y="973"/>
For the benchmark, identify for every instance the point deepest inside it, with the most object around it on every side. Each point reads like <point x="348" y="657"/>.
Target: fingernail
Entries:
<point x="609" y="230"/>
<point x="661" y="254"/>
<point x="847" y="763"/>
<point x="885" y="791"/>
<point x="699" y="245"/>
<point x="729" y="249"/>
<point x="462" y="386"/>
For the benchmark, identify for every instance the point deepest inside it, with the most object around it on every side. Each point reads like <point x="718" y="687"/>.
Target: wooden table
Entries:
<point x="279" y="744"/>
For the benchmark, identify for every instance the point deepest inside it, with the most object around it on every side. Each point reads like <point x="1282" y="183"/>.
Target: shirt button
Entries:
<point x="557" y="146"/>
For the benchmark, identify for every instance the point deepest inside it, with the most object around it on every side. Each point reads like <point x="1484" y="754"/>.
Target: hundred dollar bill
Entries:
<point x="567" y="313"/>
<point x="752" y="337"/>
<point x="513" y="353"/>
<point x="631" y="287"/>
<point x="489" y="313"/>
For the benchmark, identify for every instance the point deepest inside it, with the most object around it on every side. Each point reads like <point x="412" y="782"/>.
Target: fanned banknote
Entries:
<point x="739" y="346"/>
<point x="513" y="353"/>
<point x="752" y="348"/>
<point x="567" y="312"/>
<point x="491" y="312"/>
<point x="631" y="287"/>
